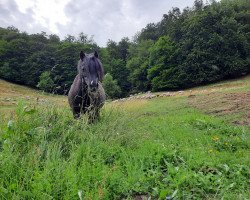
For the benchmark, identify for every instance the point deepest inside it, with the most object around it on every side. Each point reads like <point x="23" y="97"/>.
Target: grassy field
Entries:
<point x="190" y="145"/>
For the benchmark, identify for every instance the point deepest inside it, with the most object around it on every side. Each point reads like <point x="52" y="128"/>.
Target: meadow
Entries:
<point x="190" y="145"/>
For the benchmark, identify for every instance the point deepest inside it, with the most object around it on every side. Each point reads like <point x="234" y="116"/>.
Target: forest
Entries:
<point x="207" y="43"/>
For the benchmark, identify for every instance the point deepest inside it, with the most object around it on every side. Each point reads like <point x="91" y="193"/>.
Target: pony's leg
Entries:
<point x="97" y="113"/>
<point x="76" y="112"/>
<point x="75" y="109"/>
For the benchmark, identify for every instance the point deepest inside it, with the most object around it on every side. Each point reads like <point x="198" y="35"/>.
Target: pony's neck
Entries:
<point x="79" y="71"/>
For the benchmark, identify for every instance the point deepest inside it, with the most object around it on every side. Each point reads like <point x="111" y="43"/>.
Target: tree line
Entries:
<point x="195" y="46"/>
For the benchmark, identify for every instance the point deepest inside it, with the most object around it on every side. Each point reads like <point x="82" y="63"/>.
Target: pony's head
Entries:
<point x="91" y="70"/>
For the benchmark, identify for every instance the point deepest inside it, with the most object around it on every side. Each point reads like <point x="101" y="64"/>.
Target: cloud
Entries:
<point x="109" y="19"/>
<point x="11" y="15"/>
<point x="114" y="19"/>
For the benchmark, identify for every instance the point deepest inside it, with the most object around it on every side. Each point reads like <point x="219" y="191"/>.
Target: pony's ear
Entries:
<point x="82" y="55"/>
<point x="96" y="54"/>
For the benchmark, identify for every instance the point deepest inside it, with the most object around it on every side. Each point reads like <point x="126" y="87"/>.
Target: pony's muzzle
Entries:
<point x="93" y="86"/>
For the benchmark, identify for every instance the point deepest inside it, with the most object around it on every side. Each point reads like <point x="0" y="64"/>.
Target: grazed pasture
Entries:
<point x="184" y="146"/>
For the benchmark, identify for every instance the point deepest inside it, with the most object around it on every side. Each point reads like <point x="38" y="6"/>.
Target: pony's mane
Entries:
<point x="95" y="62"/>
<point x="98" y="66"/>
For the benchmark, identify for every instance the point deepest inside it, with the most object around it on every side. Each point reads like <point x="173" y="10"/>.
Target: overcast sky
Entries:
<point x="105" y="19"/>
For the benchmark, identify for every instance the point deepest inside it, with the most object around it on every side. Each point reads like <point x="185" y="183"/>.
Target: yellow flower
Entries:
<point x="210" y="151"/>
<point x="216" y="138"/>
<point x="226" y="143"/>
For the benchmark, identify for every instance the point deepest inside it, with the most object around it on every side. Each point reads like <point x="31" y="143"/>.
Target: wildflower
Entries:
<point x="210" y="151"/>
<point x="216" y="138"/>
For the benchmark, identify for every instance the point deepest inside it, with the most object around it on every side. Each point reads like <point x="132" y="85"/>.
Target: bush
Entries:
<point x="111" y="87"/>
<point x="46" y="83"/>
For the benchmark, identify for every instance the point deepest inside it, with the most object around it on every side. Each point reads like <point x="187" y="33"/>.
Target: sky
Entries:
<point x="104" y="19"/>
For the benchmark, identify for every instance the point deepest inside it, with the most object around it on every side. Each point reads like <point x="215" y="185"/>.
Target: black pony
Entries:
<point x="86" y="94"/>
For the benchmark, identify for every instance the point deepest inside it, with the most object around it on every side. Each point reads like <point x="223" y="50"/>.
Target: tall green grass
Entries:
<point x="161" y="149"/>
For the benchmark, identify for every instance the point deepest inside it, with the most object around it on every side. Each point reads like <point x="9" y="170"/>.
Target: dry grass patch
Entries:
<point x="130" y="105"/>
<point x="235" y="105"/>
<point x="11" y="93"/>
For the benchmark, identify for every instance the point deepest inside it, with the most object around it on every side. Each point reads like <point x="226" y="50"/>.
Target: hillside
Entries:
<point x="202" y="44"/>
<point x="191" y="144"/>
<point x="11" y="93"/>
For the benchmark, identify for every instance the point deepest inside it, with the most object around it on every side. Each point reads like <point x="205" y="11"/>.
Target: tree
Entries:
<point x="112" y="49"/>
<point x="111" y="87"/>
<point x="150" y="32"/>
<point x="116" y="62"/>
<point x="119" y="72"/>
<point x="54" y="38"/>
<point x="46" y="83"/>
<point x="122" y="47"/>
<point x="198" y="5"/>
<point x="5" y="71"/>
<point x="84" y="39"/>
<point x="214" y="45"/>
<point x="138" y="64"/>
<point x="161" y="64"/>
<point x="70" y="38"/>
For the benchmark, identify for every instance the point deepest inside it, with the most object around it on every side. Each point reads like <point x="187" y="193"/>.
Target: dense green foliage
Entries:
<point x="112" y="89"/>
<point x="138" y="65"/>
<point x="199" y="45"/>
<point x="25" y="57"/>
<point x="46" y="83"/>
